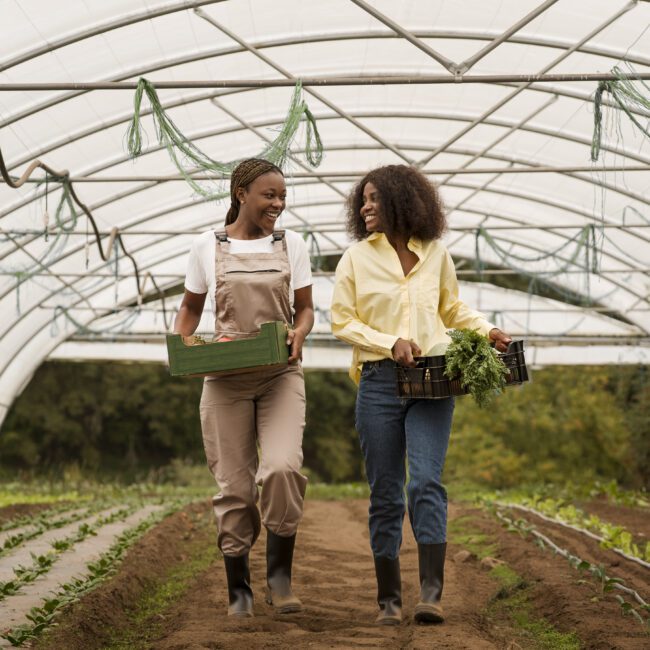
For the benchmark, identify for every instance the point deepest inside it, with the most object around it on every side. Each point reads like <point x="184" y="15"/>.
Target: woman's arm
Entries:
<point x="455" y="313"/>
<point x="189" y="314"/>
<point x="303" y="321"/>
<point x="346" y="324"/>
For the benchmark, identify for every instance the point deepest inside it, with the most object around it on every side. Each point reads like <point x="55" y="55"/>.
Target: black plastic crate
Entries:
<point x="427" y="380"/>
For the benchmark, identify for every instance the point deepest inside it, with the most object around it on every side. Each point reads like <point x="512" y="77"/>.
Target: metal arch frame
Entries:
<point x="97" y="289"/>
<point x="296" y="41"/>
<point x="108" y="284"/>
<point x="614" y="282"/>
<point x="525" y="196"/>
<point x="210" y="54"/>
<point x="185" y="7"/>
<point x="129" y="19"/>
<point x="214" y="96"/>
<point x="310" y="91"/>
<point x="347" y="147"/>
<point x="62" y="338"/>
<point x="193" y="4"/>
<point x="520" y="88"/>
<point x="626" y="8"/>
<point x="453" y="67"/>
<point x="383" y="114"/>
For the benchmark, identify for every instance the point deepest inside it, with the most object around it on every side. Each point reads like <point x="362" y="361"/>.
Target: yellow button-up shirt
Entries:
<point x="374" y="303"/>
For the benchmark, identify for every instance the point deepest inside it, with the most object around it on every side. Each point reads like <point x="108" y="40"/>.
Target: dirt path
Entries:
<point x="335" y="579"/>
<point x="334" y="576"/>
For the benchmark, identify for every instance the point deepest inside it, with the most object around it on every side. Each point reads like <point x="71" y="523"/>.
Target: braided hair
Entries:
<point x="242" y="176"/>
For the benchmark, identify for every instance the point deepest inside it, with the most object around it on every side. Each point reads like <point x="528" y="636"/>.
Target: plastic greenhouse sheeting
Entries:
<point x="552" y="245"/>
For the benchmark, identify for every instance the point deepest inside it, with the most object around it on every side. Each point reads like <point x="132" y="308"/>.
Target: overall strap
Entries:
<point x="279" y="236"/>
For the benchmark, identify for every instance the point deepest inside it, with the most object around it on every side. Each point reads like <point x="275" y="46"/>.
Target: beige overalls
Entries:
<point x="265" y="407"/>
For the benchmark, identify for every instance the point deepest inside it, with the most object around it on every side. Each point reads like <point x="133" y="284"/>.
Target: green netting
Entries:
<point x="630" y="94"/>
<point x="584" y="253"/>
<point x="187" y="157"/>
<point x="580" y="251"/>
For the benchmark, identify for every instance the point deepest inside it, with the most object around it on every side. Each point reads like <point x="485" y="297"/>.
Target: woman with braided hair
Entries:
<point x="395" y="296"/>
<point x="254" y="274"/>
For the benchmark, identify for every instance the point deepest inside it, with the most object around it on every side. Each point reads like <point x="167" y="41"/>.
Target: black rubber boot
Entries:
<point x="389" y="591"/>
<point x="240" y="595"/>
<point x="279" y="557"/>
<point x="432" y="572"/>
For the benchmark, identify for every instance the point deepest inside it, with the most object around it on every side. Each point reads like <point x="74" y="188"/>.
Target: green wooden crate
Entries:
<point x="268" y="348"/>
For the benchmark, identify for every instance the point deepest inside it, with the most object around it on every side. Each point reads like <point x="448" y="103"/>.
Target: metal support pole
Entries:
<point x="377" y="80"/>
<point x="352" y="175"/>
<point x="409" y="36"/>
<point x="463" y="67"/>
<point x="291" y="80"/>
<point x="528" y="82"/>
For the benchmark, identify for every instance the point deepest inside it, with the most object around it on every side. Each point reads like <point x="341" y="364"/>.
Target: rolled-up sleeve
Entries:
<point x="346" y="323"/>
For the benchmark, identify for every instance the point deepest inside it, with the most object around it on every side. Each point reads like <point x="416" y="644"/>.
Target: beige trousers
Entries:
<point x="265" y="407"/>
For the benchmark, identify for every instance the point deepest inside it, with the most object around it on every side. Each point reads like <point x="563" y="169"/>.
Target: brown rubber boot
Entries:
<point x="389" y="591"/>
<point x="240" y="594"/>
<point x="432" y="569"/>
<point x="279" y="558"/>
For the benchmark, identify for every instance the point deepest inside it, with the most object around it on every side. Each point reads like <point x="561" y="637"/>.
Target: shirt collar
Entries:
<point x="414" y="244"/>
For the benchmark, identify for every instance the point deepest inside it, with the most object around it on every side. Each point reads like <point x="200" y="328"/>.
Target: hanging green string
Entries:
<point x="581" y="240"/>
<point x="66" y="200"/>
<point x="584" y="242"/>
<point x="123" y="325"/>
<point x="629" y="94"/>
<point x="187" y="157"/>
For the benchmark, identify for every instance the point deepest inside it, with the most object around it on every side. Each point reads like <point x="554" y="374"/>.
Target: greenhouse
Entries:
<point x="122" y="122"/>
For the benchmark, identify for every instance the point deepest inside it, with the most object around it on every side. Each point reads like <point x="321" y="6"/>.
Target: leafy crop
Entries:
<point x="608" y="583"/>
<point x="43" y="616"/>
<point x="481" y="372"/>
<point x="611" y="536"/>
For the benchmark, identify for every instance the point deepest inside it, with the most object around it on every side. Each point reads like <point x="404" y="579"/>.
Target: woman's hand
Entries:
<point x="500" y="339"/>
<point x="404" y="351"/>
<point x="303" y="321"/>
<point x="295" y="339"/>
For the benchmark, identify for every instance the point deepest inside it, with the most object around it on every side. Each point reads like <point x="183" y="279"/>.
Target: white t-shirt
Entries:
<point x="200" y="276"/>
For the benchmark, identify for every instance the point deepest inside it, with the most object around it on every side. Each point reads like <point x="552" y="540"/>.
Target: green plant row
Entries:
<point x="611" y="536"/>
<point x="44" y="524"/>
<point x="43" y="616"/>
<point x="616" y="494"/>
<point x="12" y="493"/>
<point x="44" y="515"/>
<point x="43" y="563"/>
<point x="608" y="583"/>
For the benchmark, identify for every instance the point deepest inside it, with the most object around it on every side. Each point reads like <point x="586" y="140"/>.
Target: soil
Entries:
<point x="333" y="575"/>
<point x="634" y="519"/>
<point x="569" y="599"/>
<point x="7" y="513"/>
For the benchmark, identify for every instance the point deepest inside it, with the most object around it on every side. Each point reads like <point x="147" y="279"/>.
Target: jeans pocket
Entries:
<point x="368" y="370"/>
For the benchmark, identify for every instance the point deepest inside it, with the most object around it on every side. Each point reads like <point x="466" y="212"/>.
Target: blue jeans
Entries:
<point x="392" y="429"/>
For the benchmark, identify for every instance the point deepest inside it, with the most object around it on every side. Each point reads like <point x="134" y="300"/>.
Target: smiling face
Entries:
<point x="262" y="202"/>
<point x="371" y="208"/>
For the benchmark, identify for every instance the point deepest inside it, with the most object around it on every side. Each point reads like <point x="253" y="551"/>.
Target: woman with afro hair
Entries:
<point x="395" y="296"/>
